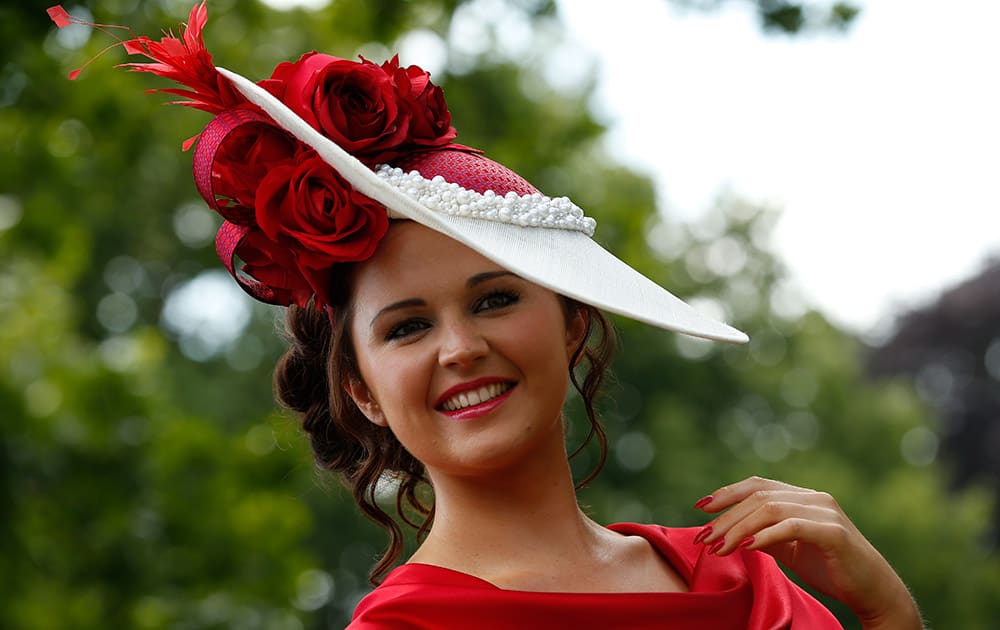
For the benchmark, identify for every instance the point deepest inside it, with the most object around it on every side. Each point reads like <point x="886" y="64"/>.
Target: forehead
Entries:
<point x="412" y="258"/>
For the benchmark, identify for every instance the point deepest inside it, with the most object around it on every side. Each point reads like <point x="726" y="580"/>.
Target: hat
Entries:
<point x="308" y="166"/>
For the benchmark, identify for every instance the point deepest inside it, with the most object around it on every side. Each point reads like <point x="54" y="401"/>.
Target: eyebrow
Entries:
<point x="472" y="282"/>
<point x="395" y="306"/>
<point x="480" y="278"/>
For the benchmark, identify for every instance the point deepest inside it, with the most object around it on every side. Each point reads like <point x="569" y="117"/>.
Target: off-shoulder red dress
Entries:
<point x="743" y="590"/>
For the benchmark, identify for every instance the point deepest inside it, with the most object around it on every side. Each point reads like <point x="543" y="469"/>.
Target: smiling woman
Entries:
<point x="471" y="327"/>
<point x="439" y="308"/>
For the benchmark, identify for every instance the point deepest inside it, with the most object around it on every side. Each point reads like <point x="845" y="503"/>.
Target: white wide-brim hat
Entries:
<point x="511" y="231"/>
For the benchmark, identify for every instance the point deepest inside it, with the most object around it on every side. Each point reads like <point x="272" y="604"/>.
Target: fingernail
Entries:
<point x="746" y="542"/>
<point x="719" y="544"/>
<point x="702" y="502"/>
<point x="703" y="534"/>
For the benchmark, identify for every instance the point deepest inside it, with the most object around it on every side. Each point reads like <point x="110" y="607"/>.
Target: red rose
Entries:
<point x="247" y="154"/>
<point x="355" y="104"/>
<point x="313" y="211"/>
<point x="275" y="266"/>
<point x="430" y="120"/>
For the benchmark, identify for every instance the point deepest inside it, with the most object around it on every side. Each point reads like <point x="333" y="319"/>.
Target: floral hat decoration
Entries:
<point x="308" y="166"/>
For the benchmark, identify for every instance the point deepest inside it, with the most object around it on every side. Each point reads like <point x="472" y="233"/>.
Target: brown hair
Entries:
<point x="308" y="380"/>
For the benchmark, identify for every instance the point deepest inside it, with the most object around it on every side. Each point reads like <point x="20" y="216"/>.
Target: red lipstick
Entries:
<point x="474" y="411"/>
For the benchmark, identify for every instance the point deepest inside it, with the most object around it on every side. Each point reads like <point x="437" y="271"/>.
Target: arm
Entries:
<point x="807" y="532"/>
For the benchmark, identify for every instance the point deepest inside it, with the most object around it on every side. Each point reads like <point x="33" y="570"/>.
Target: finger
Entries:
<point x="805" y="523"/>
<point x="727" y="496"/>
<point x="823" y="534"/>
<point x="721" y="524"/>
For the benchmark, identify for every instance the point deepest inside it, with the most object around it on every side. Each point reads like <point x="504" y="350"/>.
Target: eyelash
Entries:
<point x="506" y="296"/>
<point x="487" y="302"/>
<point x="405" y="329"/>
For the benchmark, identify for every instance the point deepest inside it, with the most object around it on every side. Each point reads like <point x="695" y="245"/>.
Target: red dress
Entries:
<point x="743" y="590"/>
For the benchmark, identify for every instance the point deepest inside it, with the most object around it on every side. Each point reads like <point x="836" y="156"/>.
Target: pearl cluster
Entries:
<point x="535" y="210"/>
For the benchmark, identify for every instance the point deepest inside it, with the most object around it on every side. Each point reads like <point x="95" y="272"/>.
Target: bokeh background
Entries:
<point x="146" y="478"/>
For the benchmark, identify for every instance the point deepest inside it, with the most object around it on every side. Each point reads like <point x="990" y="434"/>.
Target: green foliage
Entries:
<point x="147" y="483"/>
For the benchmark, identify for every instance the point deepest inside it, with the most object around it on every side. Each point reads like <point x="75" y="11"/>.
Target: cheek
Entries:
<point x="543" y="348"/>
<point x="400" y="385"/>
<point x="398" y="382"/>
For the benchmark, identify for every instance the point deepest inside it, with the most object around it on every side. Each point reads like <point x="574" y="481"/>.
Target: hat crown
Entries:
<point x="469" y="170"/>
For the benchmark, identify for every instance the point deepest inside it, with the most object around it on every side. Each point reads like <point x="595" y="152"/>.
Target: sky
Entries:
<point x="880" y="146"/>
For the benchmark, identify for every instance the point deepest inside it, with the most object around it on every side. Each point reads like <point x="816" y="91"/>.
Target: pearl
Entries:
<point x="535" y="210"/>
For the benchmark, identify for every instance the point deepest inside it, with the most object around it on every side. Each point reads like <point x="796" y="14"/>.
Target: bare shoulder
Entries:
<point x="641" y="568"/>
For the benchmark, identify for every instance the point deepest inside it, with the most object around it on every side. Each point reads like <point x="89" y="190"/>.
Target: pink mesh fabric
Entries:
<point x="469" y="170"/>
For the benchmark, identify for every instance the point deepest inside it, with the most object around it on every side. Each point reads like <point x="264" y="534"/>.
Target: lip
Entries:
<point x="476" y="410"/>
<point x="468" y="386"/>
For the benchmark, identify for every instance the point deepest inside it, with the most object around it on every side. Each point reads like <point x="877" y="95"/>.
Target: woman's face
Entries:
<point x="467" y="363"/>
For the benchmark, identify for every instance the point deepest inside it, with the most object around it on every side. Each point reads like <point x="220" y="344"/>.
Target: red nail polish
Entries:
<point x="703" y="534"/>
<point x="702" y="502"/>
<point x="719" y="544"/>
<point x="746" y="542"/>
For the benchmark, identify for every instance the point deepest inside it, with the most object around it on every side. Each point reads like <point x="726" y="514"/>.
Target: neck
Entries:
<point x="503" y="523"/>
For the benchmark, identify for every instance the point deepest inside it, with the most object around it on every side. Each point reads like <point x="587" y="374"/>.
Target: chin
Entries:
<point x="492" y="454"/>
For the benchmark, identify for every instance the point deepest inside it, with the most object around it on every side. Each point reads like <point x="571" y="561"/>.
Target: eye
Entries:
<point x="406" y="328"/>
<point x="496" y="300"/>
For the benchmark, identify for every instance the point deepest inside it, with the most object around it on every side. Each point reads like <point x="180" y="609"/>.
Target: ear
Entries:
<point x="363" y="398"/>
<point x="577" y="327"/>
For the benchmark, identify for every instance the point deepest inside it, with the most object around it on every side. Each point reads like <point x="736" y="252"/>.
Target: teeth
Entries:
<point x="476" y="396"/>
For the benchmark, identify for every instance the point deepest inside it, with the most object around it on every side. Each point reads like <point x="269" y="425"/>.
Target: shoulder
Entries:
<point x="754" y="573"/>
<point x="672" y="542"/>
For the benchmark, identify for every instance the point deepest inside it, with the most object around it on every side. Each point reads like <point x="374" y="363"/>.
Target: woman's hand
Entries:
<point x="807" y="532"/>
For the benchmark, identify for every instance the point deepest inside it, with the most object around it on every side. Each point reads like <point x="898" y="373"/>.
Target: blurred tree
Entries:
<point x="145" y="480"/>
<point x="950" y="350"/>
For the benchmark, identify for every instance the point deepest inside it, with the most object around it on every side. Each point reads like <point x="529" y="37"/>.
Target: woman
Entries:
<point x="439" y="307"/>
<point x="509" y="547"/>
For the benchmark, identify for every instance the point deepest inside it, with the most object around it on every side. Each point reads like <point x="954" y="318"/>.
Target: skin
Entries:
<point x="506" y="508"/>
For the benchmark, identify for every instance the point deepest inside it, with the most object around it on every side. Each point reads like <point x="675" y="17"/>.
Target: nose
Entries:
<point x="462" y="344"/>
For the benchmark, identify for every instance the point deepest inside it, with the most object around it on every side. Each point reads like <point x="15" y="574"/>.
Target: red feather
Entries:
<point x="59" y="16"/>
<point x="184" y="60"/>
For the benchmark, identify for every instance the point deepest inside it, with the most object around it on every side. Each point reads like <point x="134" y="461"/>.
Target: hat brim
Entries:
<point x="565" y="261"/>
